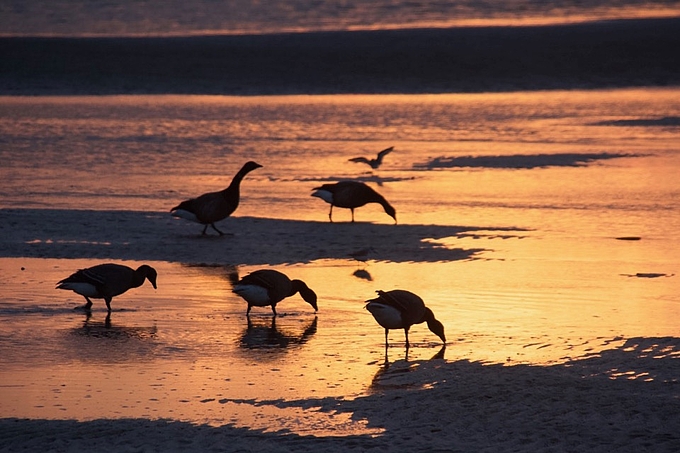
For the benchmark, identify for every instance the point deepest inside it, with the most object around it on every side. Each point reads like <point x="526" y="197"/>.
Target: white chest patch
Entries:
<point x="253" y="294"/>
<point x="386" y="316"/>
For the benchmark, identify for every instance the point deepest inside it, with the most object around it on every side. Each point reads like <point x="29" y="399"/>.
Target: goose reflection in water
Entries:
<point x="265" y="335"/>
<point x="397" y="375"/>
<point x="104" y="341"/>
<point x="105" y="329"/>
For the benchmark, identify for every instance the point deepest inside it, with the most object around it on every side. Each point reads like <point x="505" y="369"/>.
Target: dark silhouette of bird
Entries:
<point x="351" y="195"/>
<point x="362" y="255"/>
<point x="267" y="287"/>
<point x="363" y="274"/>
<point x="400" y="309"/>
<point x="373" y="163"/>
<point x="214" y="206"/>
<point x="106" y="281"/>
<point x="271" y="338"/>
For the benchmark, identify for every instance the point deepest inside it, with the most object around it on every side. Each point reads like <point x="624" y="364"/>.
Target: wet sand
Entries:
<point x="181" y="368"/>
<point x="601" y="404"/>
<point x="540" y="228"/>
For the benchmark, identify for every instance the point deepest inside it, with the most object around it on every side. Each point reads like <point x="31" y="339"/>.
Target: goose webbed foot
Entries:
<point x="87" y="307"/>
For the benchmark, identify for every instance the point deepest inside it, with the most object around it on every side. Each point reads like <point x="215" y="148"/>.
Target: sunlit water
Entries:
<point x="551" y="282"/>
<point x="174" y="17"/>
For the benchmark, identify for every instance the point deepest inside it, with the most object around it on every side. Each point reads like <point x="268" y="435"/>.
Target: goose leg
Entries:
<point x="274" y="309"/>
<point x="215" y="228"/>
<point x="330" y="214"/>
<point x="108" y="303"/>
<point x="248" y="311"/>
<point x="406" y="334"/>
<point x="88" y="305"/>
<point x="352" y="209"/>
<point x="386" y="332"/>
<point x="204" y="228"/>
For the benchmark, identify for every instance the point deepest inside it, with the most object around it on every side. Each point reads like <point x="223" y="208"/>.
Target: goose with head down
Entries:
<point x="106" y="281"/>
<point x="400" y="309"/>
<point x="267" y="287"/>
<point x="214" y="206"/>
<point x="351" y="195"/>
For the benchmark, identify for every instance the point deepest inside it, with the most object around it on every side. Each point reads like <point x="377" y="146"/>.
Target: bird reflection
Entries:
<point x="363" y="274"/>
<point x="105" y="329"/>
<point x="394" y="375"/>
<point x="361" y="256"/>
<point x="263" y="335"/>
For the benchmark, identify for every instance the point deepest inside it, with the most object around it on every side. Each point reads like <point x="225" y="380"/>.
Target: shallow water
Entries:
<point x="573" y="256"/>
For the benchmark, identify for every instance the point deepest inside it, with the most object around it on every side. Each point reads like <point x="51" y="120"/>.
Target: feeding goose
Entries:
<point x="400" y="309"/>
<point x="267" y="287"/>
<point x="106" y="281"/>
<point x="351" y="195"/>
<point x="214" y="206"/>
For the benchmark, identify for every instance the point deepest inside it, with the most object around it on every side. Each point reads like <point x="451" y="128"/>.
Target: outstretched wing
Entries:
<point x="384" y="153"/>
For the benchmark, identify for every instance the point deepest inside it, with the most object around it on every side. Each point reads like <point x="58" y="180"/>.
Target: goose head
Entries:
<point x="150" y="274"/>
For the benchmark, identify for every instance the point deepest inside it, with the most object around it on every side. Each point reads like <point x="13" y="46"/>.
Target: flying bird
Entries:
<point x="106" y="281"/>
<point x="400" y="309"/>
<point x="373" y="163"/>
<point x="267" y="287"/>
<point x="214" y="206"/>
<point x="351" y="195"/>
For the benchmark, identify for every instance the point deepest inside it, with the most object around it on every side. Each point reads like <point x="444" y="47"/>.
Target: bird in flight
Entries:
<point x="373" y="163"/>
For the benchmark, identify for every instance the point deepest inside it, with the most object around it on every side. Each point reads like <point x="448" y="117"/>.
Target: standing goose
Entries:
<point x="373" y="163"/>
<point x="351" y="195"/>
<point x="214" y="206"/>
<point x="399" y="309"/>
<point x="106" y="281"/>
<point x="269" y="287"/>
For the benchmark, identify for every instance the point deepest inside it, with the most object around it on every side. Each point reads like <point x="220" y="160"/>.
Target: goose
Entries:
<point x="351" y="195"/>
<point x="214" y="206"/>
<point x="106" y="281"/>
<point x="373" y="163"/>
<point x="269" y="287"/>
<point x="400" y="309"/>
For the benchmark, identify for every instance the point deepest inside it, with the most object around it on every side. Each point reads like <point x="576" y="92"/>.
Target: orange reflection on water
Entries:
<point x="188" y="352"/>
<point x="546" y="279"/>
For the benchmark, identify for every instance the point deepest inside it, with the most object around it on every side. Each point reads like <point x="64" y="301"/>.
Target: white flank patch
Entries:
<point x="84" y="289"/>
<point x="388" y="317"/>
<point x="253" y="294"/>
<point x="181" y="213"/>
<point x="324" y="195"/>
